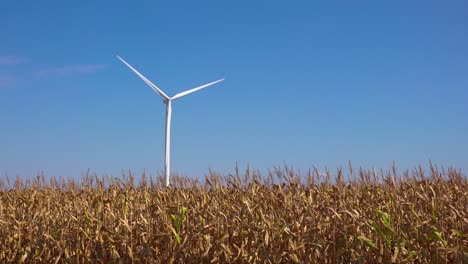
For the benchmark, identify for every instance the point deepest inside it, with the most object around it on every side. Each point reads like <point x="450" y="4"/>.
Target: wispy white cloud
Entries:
<point x="75" y="69"/>
<point x="10" y="60"/>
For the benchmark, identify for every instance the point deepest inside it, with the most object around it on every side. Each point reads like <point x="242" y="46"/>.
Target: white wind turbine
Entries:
<point x="168" y="101"/>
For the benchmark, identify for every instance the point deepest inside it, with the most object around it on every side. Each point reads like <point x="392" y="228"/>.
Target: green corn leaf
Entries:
<point x="377" y="229"/>
<point x="412" y="255"/>
<point x="174" y="219"/>
<point x="183" y="212"/>
<point x="437" y="236"/>
<point x="176" y="235"/>
<point x="367" y="241"/>
<point x="458" y="233"/>
<point x="385" y="219"/>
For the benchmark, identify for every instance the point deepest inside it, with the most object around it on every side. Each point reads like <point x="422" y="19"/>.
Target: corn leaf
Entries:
<point x="367" y="242"/>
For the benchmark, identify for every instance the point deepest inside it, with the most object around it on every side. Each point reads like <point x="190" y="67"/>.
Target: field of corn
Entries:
<point x="285" y="216"/>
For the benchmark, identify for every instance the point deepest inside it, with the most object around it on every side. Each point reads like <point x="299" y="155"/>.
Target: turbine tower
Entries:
<point x="168" y="101"/>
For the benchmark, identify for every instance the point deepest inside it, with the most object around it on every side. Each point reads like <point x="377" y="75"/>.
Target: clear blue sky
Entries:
<point x="306" y="84"/>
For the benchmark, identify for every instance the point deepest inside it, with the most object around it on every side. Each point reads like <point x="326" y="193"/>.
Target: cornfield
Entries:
<point x="284" y="216"/>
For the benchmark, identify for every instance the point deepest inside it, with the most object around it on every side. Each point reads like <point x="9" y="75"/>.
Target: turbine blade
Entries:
<point x="195" y="89"/>
<point x="155" y="88"/>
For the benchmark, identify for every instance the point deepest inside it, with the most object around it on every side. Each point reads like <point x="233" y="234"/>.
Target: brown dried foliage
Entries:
<point x="284" y="217"/>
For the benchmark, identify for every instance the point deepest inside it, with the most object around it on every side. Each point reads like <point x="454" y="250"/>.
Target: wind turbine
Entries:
<point x="168" y="101"/>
